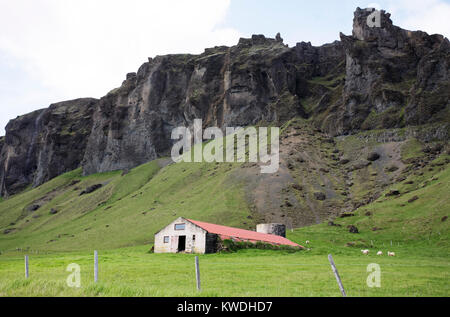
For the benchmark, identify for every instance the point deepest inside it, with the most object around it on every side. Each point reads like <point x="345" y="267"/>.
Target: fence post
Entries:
<point x="95" y="266"/>
<point x="197" y="274"/>
<point x="27" y="272"/>
<point x="336" y="273"/>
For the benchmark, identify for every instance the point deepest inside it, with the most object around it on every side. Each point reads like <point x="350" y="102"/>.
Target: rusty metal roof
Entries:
<point x="243" y="235"/>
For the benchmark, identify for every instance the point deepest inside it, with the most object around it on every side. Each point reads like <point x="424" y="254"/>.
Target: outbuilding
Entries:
<point x="191" y="236"/>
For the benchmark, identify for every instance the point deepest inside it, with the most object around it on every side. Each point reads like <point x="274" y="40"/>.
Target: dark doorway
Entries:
<point x="181" y="243"/>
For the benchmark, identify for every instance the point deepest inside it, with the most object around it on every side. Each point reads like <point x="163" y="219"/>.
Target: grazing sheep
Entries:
<point x="365" y="252"/>
<point x="380" y="253"/>
<point x="307" y="242"/>
<point x="391" y="253"/>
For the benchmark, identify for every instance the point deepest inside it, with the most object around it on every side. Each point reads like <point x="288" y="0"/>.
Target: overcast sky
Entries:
<point x="54" y="50"/>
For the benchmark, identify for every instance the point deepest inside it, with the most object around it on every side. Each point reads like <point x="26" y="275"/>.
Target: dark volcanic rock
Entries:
<point x="393" y="77"/>
<point x="18" y="158"/>
<point x="374" y="156"/>
<point x="74" y="182"/>
<point x="2" y="142"/>
<point x="44" y="144"/>
<point x="319" y="61"/>
<point x="393" y="192"/>
<point x="353" y="229"/>
<point x="257" y="80"/>
<point x="320" y="196"/>
<point x="91" y="189"/>
<point x="33" y="208"/>
<point x="436" y="149"/>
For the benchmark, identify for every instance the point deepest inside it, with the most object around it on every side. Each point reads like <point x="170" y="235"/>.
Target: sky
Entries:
<point x="55" y="50"/>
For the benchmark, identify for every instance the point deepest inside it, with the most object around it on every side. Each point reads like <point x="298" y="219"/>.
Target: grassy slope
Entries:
<point x="414" y="228"/>
<point x="127" y="211"/>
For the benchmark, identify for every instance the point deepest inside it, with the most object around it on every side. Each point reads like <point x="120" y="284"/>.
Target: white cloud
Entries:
<point x="85" y="47"/>
<point x="431" y="16"/>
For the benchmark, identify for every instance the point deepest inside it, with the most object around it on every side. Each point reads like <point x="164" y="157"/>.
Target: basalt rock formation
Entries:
<point x="44" y="144"/>
<point x="380" y="77"/>
<point x="259" y="80"/>
<point x="394" y="78"/>
<point x="2" y="142"/>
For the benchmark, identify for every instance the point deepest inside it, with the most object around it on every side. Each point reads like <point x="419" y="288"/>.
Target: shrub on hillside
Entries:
<point x="228" y="245"/>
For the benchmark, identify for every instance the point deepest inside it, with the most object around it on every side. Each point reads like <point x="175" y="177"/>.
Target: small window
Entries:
<point x="180" y="226"/>
<point x="166" y="239"/>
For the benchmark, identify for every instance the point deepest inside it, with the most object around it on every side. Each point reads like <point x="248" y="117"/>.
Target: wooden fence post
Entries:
<point x="95" y="266"/>
<point x="27" y="272"/>
<point x="336" y="273"/>
<point x="197" y="274"/>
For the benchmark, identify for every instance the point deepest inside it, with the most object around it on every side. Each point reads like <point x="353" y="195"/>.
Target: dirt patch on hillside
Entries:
<point x="320" y="178"/>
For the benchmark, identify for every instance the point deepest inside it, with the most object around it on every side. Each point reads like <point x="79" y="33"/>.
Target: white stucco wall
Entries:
<point x="197" y="246"/>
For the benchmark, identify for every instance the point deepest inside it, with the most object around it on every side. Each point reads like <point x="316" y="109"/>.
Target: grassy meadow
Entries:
<point x="247" y="273"/>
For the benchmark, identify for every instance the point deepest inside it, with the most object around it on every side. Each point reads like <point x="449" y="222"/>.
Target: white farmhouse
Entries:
<point x="191" y="236"/>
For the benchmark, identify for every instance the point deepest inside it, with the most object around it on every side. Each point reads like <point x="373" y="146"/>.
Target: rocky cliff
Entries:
<point x="44" y="144"/>
<point x="382" y="77"/>
<point x="2" y="142"/>
<point x="259" y="80"/>
<point x="394" y="78"/>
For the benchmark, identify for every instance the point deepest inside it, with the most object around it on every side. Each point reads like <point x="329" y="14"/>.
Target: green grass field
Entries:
<point x="120" y="219"/>
<point x="247" y="273"/>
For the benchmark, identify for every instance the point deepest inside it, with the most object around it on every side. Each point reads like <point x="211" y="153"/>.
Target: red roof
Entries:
<point x="243" y="235"/>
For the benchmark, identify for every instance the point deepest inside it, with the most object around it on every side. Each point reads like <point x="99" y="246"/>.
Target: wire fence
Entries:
<point x="210" y="273"/>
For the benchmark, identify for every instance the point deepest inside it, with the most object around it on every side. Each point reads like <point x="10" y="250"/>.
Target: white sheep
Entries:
<point x="307" y="242"/>
<point x="391" y="253"/>
<point x="380" y="253"/>
<point x="365" y="252"/>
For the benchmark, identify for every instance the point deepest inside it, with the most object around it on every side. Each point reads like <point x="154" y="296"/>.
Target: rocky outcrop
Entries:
<point x="394" y="77"/>
<point x="2" y="142"/>
<point x="319" y="61"/>
<point x="19" y="152"/>
<point x="44" y="144"/>
<point x="2" y="159"/>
